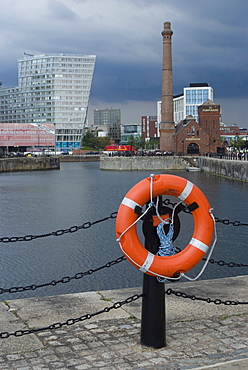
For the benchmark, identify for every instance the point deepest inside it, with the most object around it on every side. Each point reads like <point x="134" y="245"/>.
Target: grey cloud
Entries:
<point x="209" y="42"/>
<point x="58" y="11"/>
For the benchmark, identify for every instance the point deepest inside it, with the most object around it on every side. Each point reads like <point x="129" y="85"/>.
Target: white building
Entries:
<point x="187" y="104"/>
<point x="52" y="89"/>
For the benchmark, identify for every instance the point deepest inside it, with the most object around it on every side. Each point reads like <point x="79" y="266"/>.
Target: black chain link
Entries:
<point x="72" y="229"/>
<point x="80" y="275"/>
<point x="228" y="264"/>
<point x="88" y="224"/>
<point x="116" y="305"/>
<point x="224" y="221"/>
<point x="208" y="300"/>
<point x="220" y="262"/>
<point x="58" y="325"/>
<point x="64" y="280"/>
<point x="228" y="222"/>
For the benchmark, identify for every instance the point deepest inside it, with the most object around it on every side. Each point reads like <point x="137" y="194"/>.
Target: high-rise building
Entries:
<point x="112" y="119"/>
<point x="52" y="89"/>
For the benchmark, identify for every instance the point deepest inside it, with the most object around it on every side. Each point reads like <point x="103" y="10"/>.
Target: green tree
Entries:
<point x="238" y="142"/>
<point x="92" y="141"/>
<point x="152" y="144"/>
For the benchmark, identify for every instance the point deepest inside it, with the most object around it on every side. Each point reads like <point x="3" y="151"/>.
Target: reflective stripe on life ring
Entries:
<point x="129" y="242"/>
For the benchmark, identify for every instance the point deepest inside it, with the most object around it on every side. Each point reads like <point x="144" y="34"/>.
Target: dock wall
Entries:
<point x="143" y="163"/>
<point x="234" y="169"/>
<point x="79" y="158"/>
<point x="29" y="164"/>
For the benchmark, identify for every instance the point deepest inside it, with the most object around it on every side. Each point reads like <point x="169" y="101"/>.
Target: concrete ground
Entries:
<point x="199" y="335"/>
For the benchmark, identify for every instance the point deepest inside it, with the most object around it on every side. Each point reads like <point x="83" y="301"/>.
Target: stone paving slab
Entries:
<point x="205" y="336"/>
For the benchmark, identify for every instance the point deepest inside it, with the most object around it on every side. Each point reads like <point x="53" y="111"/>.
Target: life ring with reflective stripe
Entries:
<point x="128" y="239"/>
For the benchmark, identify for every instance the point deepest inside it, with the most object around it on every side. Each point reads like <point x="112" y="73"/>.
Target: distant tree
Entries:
<point x="152" y="144"/>
<point x="238" y="142"/>
<point x="131" y="141"/>
<point x="99" y="143"/>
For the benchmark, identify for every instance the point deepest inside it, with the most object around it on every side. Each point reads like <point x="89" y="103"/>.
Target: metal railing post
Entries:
<point x="153" y="322"/>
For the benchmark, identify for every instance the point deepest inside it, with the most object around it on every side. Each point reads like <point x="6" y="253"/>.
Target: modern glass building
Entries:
<point x="52" y="89"/>
<point x="187" y="103"/>
<point x="130" y="131"/>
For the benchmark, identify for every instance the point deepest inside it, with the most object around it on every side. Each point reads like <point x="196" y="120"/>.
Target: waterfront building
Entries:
<point x="111" y="119"/>
<point x="200" y="137"/>
<point x="53" y="89"/>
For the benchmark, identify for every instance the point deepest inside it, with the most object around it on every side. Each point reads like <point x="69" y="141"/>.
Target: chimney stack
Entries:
<point x="167" y="126"/>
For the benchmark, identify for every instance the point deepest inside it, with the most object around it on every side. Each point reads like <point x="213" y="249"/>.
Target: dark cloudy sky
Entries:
<point x="210" y="44"/>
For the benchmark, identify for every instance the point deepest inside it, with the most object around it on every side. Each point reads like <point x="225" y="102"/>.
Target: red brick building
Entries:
<point x="149" y="127"/>
<point x="199" y="138"/>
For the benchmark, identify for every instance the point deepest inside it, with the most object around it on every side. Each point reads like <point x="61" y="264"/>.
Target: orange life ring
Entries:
<point x="129" y="242"/>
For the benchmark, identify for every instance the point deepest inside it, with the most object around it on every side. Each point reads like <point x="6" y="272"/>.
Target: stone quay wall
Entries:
<point x="79" y="158"/>
<point x="235" y="169"/>
<point x="143" y="163"/>
<point x="29" y="164"/>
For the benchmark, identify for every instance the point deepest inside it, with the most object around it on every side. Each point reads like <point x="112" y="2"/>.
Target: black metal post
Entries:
<point x="153" y="324"/>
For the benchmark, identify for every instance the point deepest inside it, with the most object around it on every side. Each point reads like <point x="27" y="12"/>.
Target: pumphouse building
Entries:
<point x="198" y="133"/>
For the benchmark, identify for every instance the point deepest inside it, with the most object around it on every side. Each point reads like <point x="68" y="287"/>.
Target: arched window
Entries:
<point x="193" y="148"/>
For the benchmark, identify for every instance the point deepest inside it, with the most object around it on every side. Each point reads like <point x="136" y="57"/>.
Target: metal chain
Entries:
<point x="220" y="262"/>
<point x="229" y="264"/>
<point x="208" y="300"/>
<point x="224" y="221"/>
<point x="72" y="229"/>
<point x="57" y="325"/>
<point x="65" y="279"/>
<point x="80" y="275"/>
<point x="87" y="225"/>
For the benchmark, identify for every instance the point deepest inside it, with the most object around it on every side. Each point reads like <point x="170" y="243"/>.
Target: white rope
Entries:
<point x="151" y="204"/>
<point x="210" y="253"/>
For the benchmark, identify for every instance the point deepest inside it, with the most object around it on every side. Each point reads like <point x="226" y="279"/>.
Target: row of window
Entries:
<point x="196" y="96"/>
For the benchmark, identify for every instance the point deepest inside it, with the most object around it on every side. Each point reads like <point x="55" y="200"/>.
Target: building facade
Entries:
<point x="193" y="96"/>
<point x="187" y="104"/>
<point x="200" y="138"/>
<point x="112" y="119"/>
<point x="149" y="127"/>
<point x="130" y="132"/>
<point x="52" y="89"/>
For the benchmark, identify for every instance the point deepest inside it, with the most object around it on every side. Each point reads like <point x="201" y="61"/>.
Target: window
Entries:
<point x="205" y="95"/>
<point x="188" y="96"/>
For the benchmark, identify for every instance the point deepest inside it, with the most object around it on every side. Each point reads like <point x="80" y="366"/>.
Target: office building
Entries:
<point x="52" y="90"/>
<point x="112" y="119"/>
<point x="130" y="132"/>
<point x="187" y="104"/>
